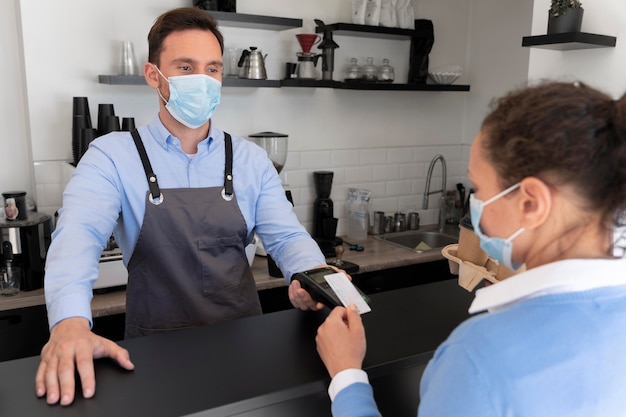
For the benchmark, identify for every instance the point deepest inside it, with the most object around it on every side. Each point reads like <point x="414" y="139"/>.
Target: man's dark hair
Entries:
<point x="176" y="20"/>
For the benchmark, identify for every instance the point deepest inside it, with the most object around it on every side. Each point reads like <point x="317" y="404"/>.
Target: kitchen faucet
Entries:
<point x="427" y="192"/>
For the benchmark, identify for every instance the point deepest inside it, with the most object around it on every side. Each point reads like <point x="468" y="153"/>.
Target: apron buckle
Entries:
<point x="227" y="197"/>
<point x="156" y="201"/>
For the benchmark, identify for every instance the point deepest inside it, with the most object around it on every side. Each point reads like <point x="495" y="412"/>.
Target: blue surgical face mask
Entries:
<point x="497" y="248"/>
<point x="193" y="98"/>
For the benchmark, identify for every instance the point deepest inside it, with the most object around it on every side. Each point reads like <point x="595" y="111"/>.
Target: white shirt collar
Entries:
<point x="570" y="275"/>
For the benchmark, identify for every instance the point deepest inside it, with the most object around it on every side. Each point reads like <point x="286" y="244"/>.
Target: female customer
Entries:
<point x="549" y="169"/>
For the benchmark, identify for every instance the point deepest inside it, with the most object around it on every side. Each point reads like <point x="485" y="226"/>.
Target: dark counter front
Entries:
<point x="260" y="366"/>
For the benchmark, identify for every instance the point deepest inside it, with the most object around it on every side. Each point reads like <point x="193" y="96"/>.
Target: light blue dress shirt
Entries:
<point x="107" y="194"/>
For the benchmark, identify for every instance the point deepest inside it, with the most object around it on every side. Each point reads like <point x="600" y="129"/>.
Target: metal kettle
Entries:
<point x="252" y="64"/>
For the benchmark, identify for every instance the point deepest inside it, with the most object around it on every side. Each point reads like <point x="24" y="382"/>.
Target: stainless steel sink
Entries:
<point x="422" y="240"/>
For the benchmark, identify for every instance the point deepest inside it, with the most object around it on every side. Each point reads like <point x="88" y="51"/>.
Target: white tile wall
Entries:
<point x="50" y="180"/>
<point x="396" y="178"/>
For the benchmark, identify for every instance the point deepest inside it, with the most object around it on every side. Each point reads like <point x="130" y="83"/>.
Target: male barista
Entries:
<point x="182" y="199"/>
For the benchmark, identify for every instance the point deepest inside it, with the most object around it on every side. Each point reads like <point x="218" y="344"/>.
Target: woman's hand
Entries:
<point x="341" y="340"/>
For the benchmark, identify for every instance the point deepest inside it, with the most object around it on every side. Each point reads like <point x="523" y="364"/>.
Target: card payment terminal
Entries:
<point x="314" y="282"/>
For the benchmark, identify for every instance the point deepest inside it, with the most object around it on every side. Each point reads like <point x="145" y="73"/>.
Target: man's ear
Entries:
<point x="151" y="75"/>
<point x="536" y="202"/>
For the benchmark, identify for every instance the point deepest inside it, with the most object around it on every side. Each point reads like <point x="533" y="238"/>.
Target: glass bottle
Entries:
<point x="385" y="72"/>
<point x="353" y="71"/>
<point x="370" y="72"/>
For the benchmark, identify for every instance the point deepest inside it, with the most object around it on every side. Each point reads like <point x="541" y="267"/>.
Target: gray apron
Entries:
<point x="189" y="265"/>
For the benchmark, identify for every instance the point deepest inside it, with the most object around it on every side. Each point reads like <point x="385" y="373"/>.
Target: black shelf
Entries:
<point x="404" y="87"/>
<point x="379" y="32"/>
<point x="366" y="31"/>
<point x="353" y="85"/>
<point x="226" y="82"/>
<point x="281" y="23"/>
<point x="251" y="21"/>
<point x="569" y="41"/>
<point x="243" y="82"/>
<point x="295" y="82"/>
<point x="122" y="79"/>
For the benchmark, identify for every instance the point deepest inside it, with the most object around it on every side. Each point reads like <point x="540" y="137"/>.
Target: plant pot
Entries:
<point x="568" y="22"/>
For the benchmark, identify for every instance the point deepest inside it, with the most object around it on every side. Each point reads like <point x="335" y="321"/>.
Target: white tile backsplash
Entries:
<point x="395" y="176"/>
<point x="356" y="175"/>
<point x="315" y="159"/>
<point x="51" y="177"/>
<point x="398" y="188"/>
<point x="386" y="172"/>
<point x="408" y="171"/>
<point x="345" y="158"/>
<point x="399" y="155"/>
<point x="373" y="156"/>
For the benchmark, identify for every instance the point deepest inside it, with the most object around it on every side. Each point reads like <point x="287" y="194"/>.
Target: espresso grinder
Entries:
<point x="276" y="146"/>
<point x="324" y="222"/>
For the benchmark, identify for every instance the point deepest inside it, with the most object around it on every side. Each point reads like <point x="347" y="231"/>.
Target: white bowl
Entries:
<point x="445" y="74"/>
<point x="443" y="77"/>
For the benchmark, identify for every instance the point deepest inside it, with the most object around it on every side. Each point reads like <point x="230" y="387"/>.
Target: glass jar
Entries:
<point x="370" y="72"/>
<point x="385" y="72"/>
<point x="353" y="71"/>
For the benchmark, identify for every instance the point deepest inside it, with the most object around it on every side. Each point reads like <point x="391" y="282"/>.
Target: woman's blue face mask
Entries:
<point x="497" y="248"/>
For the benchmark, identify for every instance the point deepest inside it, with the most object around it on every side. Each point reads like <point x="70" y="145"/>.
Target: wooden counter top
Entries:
<point x="377" y="255"/>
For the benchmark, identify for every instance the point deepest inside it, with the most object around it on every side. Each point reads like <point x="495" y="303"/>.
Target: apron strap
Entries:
<point x="228" y="192"/>
<point x="155" y="196"/>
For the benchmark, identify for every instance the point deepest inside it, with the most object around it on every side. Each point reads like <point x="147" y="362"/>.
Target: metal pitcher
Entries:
<point x="252" y="64"/>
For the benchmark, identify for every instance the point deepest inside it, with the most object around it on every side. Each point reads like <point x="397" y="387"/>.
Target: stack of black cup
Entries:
<point x="82" y="128"/>
<point x="83" y="131"/>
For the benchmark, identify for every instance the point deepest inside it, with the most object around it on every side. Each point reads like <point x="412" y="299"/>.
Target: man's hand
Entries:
<point x="72" y="346"/>
<point x="301" y="299"/>
<point x="341" y="340"/>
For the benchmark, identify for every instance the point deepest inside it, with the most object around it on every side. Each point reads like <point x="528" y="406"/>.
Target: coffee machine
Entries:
<point x="324" y="222"/>
<point x="29" y="241"/>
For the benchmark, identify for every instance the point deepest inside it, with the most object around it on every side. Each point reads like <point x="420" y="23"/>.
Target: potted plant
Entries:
<point x="565" y="16"/>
